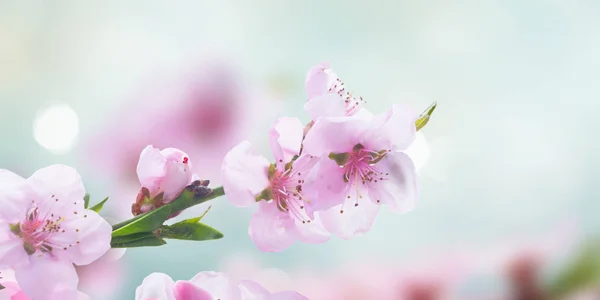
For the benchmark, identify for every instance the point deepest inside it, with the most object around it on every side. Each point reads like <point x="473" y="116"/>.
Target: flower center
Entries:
<point x="287" y="193"/>
<point x="38" y="230"/>
<point x="360" y="169"/>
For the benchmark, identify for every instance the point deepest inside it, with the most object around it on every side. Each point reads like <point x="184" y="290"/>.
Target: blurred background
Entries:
<point x="509" y="161"/>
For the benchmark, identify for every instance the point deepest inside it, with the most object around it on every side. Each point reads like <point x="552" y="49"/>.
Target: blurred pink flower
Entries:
<point x="45" y="229"/>
<point x="327" y="95"/>
<point x="203" y="111"/>
<point x="359" y="168"/>
<point x="206" y="286"/>
<point x="249" y="177"/>
<point x="103" y="278"/>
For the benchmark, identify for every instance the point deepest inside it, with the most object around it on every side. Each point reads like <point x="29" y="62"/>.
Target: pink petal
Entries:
<point x="15" y="196"/>
<point x="11" y="248"/>
<point x="9" y="179"/>
<point x="87" y="232"/>
<point x="317" y="81"/>
<point x="218" y="285"/>
<point x="355" y="220"/>
<point x="57" y="182"/>
<point x="336" y="135"/>
<point x="151" y="168"/>
<point x="326" y="105"/>
<point x="288" y="295"/>
<point x="185" y="290"/>
<point x="253" y="291"/>
<point x="286" y="138"/>
<point x="270" y="229"/>
<point x="34" y="279"/>
<point x="312" y="232"/>
<point x="394" y="129"/>
<point x="244" y="174"/>
<point x="177" y="173"/>
<point x="324" y="187"/>
<point x="400" y="190"/>
<point x="156" y="286"/>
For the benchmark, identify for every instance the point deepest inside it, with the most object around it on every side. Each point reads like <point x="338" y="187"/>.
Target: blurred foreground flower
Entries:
<point x="45" y="228"/>
<point x="206" y="286"/>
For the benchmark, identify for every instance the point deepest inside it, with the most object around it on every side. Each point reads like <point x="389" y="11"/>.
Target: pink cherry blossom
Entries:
<point x="102" y="278"/>
<point x="361" y="166"/>
<point x="45" y="230"/>
<point x="327" y="94"/>
<point x="165" y="172"/>
<point x="249" y="178"/>
<point x="206" y="286"/>
<point x="13" y="291"/>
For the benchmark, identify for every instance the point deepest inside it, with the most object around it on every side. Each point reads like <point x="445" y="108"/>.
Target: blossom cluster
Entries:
<point x="330" y="176"/>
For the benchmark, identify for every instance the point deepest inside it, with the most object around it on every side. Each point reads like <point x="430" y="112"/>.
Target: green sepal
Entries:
<point x="98" y="207"/>
<point x="340" y="158"/>
<point x="424" y="117"/>
<point x="86" y="201"/>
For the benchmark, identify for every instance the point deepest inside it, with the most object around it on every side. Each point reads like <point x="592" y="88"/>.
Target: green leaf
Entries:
<point x="583" y="271"/>
<point x="150" y="241"/>
<point x="86" y="201"/>
<point x="190" y="230"/>
<point x="145" y="223"/>
<point x="131" y="237"/>
<point x="424" y="117"/>
<point x="98" y="207"/>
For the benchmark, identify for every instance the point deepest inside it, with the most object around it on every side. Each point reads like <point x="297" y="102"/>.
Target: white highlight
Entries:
<point x="419" y="151"/>
<point x="56" y="128"/>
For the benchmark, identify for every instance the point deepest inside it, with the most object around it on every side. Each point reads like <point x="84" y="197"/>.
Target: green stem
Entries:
<point x="184" y="201"/>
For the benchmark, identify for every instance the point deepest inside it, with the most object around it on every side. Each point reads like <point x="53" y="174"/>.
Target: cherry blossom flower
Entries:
<point x="206" y="286"/>
<point x="163" y="174"/>
<point x="361" y="166"/>
<point x="45" y="230"/>
<point x="249" y="178"/>
<point x="328" y="97"/>
<point x="102" y="278"/>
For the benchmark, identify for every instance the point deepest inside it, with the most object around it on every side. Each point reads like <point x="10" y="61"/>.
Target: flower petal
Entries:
<point x="157" y="286"/>
<point x="244" y="174"/>
<point x="151" y="168"/>
<point x="57" y="186"/>
<point x="324" y="186"/>
<point x="317" y="81"/>
<point x="86" y="237"/>
<point x="177" y="175"/>
<point x="252" y="290"/>
<point x="394" y="129"/>
<point x="218" y="285"/>
<point x="335" y="135"/>
<point x="400" y="190"/>
<point x="286" y="138"/>
<point x="312" y="232"/>
<point x="185" y="290"/>
<point x="12" y="253"/>
<point x="33" y="279"/>
<point x="15" y="195"/>
<point x="354" y="220"/>
<point x="326" y="105"/>
<point x="270" y="229"/>
<point x="287" y="295"/>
